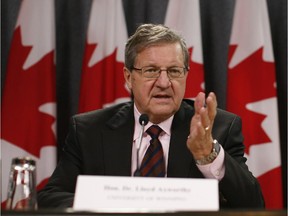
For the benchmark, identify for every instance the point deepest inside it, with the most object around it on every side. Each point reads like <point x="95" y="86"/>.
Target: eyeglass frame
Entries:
<point x="159" y="70"/>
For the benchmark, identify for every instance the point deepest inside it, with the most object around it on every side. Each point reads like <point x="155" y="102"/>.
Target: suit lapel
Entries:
<point x="117" y="142"/>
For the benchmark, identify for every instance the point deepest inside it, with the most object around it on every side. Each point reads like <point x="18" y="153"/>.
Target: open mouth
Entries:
<point x="162" y="96"/>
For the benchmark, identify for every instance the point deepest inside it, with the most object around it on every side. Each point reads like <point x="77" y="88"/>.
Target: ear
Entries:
<point x="127" y="77"/>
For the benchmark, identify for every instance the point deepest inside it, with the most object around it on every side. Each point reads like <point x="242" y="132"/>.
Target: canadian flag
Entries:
<point x="184" y="16"/>
<point x="251" y="94"/>
<point x="102" y="81"/>
<point x="28" y="103"/>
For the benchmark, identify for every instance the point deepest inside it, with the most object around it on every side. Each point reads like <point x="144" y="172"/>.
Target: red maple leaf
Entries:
<point x="24" y="92"/>
<point x="195" y="78"/>
<point x="102" y="83"/>
<point x="250" y="81"/>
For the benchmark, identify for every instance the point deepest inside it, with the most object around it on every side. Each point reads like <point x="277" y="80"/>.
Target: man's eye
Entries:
<point x="150" y="70"/>
<point x="174" y="71"/>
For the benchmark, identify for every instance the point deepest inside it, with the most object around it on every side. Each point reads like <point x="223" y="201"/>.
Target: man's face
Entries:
<point x="158" y="97"/>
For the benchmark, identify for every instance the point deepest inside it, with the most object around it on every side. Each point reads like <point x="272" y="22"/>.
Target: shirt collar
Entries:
<point x="165" y="125"/>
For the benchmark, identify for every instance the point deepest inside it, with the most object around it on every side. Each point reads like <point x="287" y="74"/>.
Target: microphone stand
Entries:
<point x="143" y="120"/>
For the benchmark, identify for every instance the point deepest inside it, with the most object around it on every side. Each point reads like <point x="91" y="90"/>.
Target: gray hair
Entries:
<point x="148" y="35"/>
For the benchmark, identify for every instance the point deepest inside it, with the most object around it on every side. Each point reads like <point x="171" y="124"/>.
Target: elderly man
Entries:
<point x="182" y="138"/>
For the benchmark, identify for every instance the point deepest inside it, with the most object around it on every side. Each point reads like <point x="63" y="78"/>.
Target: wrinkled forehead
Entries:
<point x="162" y="50"/>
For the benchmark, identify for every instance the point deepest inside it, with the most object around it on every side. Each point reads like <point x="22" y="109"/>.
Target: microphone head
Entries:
<point x="143" y="119"/>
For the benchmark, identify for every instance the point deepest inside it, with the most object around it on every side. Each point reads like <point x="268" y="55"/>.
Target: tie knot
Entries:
<point x="154" y="131"/>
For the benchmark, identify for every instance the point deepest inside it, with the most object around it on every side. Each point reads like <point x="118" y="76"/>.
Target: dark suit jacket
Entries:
<point x="100" y="143"/>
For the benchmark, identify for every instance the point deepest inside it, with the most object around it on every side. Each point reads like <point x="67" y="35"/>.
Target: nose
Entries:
<point x="163" y="81"/>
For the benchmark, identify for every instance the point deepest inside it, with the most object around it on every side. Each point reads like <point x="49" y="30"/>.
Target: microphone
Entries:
<point x="143" y="120"/>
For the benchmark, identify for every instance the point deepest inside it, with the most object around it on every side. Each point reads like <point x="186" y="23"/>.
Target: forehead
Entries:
<point x="161" y="53"/>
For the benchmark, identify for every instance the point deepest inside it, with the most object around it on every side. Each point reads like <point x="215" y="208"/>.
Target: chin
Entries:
<point x="162" y="113"/>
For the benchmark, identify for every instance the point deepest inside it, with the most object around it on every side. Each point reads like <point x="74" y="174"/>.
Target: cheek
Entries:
<point x="142" y="90"/>
<point x="138" y="88"/>
<point x="142" y="87"/>
<point x="179" y="88"/>
<point x="183" y="88"/>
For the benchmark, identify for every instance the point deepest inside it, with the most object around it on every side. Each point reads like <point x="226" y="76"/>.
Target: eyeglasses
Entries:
<point x="154" y="72"/>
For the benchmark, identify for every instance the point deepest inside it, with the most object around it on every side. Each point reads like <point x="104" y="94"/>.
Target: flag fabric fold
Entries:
<point x="28" y="106"/>
<point x="251" y="93"/>
<point x="102" y="82"/>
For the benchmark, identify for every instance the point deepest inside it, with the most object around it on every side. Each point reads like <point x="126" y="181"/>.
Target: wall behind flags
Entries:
<point x="72" y="17"/>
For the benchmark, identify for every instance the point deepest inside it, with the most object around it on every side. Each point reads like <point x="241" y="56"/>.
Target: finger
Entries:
<point x="194" y="122"/>
<point x="205" y="120"/>
<point x="196" y="127"/>
<point x="211" y="103"/>
<point x="199" y="102"/>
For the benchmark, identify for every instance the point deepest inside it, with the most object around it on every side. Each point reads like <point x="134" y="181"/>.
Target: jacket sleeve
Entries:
<point x="59" y="191"/>
<point x="238" y="188"/>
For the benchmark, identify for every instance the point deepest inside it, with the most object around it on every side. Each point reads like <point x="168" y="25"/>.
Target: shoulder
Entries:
<point x="188" y="103"/>
<point x="104" y="115"/>
<point x="224" y="116"/>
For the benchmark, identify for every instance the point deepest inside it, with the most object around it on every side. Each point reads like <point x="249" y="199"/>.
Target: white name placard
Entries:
<point x="140" y="194"/>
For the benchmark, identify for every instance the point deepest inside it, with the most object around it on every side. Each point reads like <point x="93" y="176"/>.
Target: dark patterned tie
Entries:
<point x="153" y="163"/>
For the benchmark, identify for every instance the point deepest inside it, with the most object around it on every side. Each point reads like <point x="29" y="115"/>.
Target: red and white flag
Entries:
<point x="28" y="106"/>
<point x="251" y="94"/>
<point x="102" y="81"/>
<point x="184" y="16"/>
